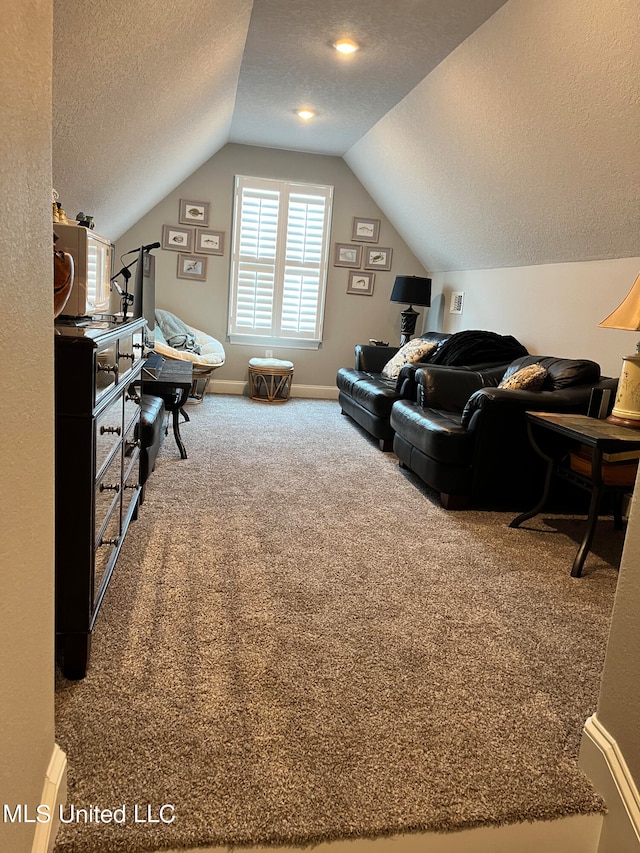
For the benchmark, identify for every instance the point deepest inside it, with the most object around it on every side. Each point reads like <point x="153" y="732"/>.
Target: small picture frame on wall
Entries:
<point x="365" y="230"/>
<point x="194" y="212"/>
<point x="177" y="239"/>
<point x="377" y="259"/>
<point x="209" y="242"/>
<point x="347" y="255"/>
<point x="192" y="267"/>
<point x="361" y="282"/>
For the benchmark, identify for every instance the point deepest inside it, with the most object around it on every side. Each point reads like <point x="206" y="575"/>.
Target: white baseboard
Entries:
<point x="241" y="387"/>
<point x="603" y="762"/>
<point x="54" y="795"/>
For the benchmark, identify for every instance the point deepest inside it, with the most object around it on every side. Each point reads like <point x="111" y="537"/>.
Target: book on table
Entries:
<point x="618" y="469"/>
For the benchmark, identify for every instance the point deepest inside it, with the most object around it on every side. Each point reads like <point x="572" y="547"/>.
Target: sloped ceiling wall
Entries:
<point x="521" y="147"/>
<point x="143" y="94"/>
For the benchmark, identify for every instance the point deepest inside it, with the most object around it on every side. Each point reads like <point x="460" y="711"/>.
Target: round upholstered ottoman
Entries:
<point x="270" y="379"/>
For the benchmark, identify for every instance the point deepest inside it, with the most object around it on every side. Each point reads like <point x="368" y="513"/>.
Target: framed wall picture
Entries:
<point x="209" y="242"/>
<point x="361" y="282"/>
<point x="365" y="230"/>
<point x="377" y="259"/>
<point x="347" y="255"/>
<point x="194" y="212"/>
<point x="177" y="239"/>
<point x="193" y="267"/>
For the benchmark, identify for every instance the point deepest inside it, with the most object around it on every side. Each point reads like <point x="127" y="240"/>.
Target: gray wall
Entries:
<point x="349" y="318"/>
<point x="26" y="449"/>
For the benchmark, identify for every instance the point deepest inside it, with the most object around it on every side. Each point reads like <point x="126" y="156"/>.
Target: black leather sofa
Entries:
<point x="367" y="396"/>
<point x="467" y="439"/>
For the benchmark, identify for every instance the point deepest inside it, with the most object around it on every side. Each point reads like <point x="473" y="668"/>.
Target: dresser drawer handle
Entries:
<point x="127" y="355"/>
<point x="105" y="429"/>
<point x="107" y="368"/>
<point x="138" y="346"/>
<point x="105" y="487"/>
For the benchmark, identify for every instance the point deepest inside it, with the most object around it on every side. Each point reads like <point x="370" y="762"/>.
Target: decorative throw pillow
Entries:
<point x="412" y="351"/>
<point x="530" y="378"/>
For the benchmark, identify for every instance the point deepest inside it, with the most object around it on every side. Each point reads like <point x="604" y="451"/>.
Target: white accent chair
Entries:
<point x="204" y="351"/>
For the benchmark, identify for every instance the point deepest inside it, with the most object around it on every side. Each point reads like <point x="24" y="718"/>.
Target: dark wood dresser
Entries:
<point x="96" y="472"/>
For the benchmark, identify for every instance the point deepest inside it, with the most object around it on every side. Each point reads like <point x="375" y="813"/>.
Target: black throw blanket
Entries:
<point x="477" y="347"/>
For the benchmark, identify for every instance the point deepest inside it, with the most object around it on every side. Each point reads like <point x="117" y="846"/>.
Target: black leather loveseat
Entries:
<point x="467" y="438"/>
<point x="367" y="396"/>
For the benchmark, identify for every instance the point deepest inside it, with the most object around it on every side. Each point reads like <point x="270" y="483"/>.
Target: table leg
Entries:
<point x="176" y="432"/>
<point x="525" y="516"/>
<point x="592" y="520"/>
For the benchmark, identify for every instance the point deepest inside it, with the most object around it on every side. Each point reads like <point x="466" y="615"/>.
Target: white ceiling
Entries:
<point x="289" y="62"/>
<point x="146" y="92"/>
<point x="490" y="133"/>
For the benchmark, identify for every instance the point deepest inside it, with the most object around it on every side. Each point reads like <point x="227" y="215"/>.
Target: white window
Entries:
<point x="279" y="262"/>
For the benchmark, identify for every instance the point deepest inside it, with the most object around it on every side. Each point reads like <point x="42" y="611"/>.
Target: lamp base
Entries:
<point x="626" y="409"/>
<point x="408" y="326"/>
<point x="625" y="422"/>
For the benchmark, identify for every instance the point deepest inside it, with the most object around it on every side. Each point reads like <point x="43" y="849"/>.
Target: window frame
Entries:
<point x="276" y="335"/>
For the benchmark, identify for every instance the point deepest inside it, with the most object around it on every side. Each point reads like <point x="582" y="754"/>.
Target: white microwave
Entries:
<point x="92" y="268"/>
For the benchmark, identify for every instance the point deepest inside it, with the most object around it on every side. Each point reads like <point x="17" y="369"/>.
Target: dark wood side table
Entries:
<point x="171" y="380"/>
<point x="553" y="436"/>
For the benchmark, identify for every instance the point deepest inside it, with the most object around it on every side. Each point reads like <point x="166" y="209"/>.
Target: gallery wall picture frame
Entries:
<point x="193" y="212"/>
<point x="361" y="282"/>
<point x="193" y="267"/>
<point x="209" y="242"/>
<point x="378" y="258"/>
<point x="365" y="230"/>
<point x="177" y="239"/>
<point x="347" y="255"/>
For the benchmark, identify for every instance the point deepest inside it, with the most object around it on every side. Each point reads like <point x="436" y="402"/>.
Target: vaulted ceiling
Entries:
<point x="467" y="122"/>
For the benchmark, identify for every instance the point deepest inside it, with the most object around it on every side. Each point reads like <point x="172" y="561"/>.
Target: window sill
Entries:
<point x="265" y="340"/>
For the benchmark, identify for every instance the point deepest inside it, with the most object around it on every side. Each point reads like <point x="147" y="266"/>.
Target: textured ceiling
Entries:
<point x="146" y="92"/>
<point x="143" y="94"/>
<point x="289" y="62"/>
<point x="523" y="144"/>
<point x="491" y="133"/>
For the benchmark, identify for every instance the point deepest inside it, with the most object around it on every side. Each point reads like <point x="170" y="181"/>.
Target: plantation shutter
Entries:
<point x="279" y="262"/>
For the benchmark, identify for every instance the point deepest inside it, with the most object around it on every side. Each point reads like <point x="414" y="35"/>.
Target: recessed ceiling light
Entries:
<point x="346" y="46"/>
<point x="305" y="114"/>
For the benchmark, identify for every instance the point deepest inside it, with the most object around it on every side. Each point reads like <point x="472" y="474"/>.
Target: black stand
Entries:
<point x="127" y="298"/>
<point x="408" y="327"/>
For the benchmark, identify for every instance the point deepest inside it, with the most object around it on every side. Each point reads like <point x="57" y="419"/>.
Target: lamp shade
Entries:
<point x="412" y="290"/>
<point x="627" y="314"/>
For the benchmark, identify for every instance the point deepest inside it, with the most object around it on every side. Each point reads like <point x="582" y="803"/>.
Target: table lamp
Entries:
<point x="412" y="290"/>
<point x="626" y="409"/>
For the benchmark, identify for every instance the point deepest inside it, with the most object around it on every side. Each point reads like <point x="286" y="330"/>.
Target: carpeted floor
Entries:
<point x="299" y="645"/>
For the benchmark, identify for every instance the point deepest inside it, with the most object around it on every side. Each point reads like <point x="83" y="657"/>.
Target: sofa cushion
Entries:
<point x="437" y="434"/>
<point x="414" y="350"/>
<point x="375" y="394"/>
<point x="529" y="378"/>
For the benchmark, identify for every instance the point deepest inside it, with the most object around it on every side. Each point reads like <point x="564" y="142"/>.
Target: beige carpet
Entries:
<point x="299" y="644"/>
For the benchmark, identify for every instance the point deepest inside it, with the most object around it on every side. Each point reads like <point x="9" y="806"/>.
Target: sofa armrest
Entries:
<point x="449" y="388"/>
<point x="372" y="359"/>
<point x="502" y="401"/>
